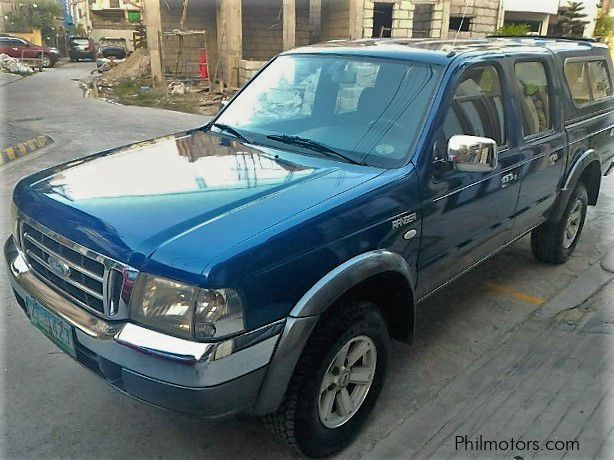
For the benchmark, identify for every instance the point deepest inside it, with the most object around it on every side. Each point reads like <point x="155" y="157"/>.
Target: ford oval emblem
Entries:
<point x="58" y="267"/>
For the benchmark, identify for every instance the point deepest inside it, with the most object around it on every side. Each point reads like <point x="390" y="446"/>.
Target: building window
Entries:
<point x="114" y="3"/>
<point x="460" y="23"/>
<point x="382" y="19"/>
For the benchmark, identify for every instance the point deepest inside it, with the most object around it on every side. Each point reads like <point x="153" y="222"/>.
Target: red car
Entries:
<point x="20" y="48"/>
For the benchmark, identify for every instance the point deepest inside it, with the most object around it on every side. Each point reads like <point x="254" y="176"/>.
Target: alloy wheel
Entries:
<point x="573" y="224"/>
<point x="347" y="381"/>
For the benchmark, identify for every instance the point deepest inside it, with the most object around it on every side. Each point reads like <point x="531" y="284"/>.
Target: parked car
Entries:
<point x="111" y="51"/>
<point x="81" y="48"/>
<point x="20" y="48"/>
<point x="262" y="263"/>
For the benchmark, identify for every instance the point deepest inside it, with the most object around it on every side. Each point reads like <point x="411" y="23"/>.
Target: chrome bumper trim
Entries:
<point x="150" y="353"/>
<point x="148" y="341"/>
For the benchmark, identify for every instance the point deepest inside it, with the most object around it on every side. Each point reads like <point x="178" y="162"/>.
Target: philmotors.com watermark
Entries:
<point x="478" y="443"/>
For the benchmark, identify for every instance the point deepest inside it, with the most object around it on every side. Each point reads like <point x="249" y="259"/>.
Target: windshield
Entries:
<point x="370" y="110"/>
<point x="80" y="41"/>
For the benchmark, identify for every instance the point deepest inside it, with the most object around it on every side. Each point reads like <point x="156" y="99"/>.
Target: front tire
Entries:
<point x="554" y="242"/>
<point x="46" y="62"/>
<point x="336" y="382"/>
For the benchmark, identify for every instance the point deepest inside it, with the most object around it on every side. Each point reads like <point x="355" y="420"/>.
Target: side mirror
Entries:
<point x="473" y="153"/>
<point x="223" y="103"/>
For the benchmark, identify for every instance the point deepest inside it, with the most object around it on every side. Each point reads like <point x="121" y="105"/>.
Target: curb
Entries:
<point x="15" y="151"/>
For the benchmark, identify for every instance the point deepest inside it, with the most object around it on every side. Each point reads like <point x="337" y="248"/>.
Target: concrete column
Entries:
<point x="356" y="18"/>
<point x="230" y="40"/>
<point x="289" y="24"/>
<point x="153" y="26"/>
<point x="440" y="21"/>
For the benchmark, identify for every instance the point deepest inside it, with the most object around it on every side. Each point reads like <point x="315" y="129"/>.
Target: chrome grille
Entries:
<point x="91" y="280"/>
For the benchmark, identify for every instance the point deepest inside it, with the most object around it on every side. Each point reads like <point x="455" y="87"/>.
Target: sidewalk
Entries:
<point x="551" y="379"/>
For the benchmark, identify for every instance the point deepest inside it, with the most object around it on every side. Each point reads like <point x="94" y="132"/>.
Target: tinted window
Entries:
<point x="601" y="86"/>
<point x="477" y="107"/>
<point x="534" y="97"/>
<point x="576" y="75"/>
<point x="588" y="80"/>
<point x="368" y="109"/>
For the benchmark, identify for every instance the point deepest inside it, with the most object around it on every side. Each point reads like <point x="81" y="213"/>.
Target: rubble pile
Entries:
<point x="13" y="65"/>
<point x="129" y="82"/>
<point x="135" y="66"/>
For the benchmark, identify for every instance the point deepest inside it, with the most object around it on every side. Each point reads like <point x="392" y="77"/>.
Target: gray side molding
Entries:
<point x="588" y="157"/>
<point x="576" y="171"/>
<point x="304" y="317"/>
<point x="348" y="274"/>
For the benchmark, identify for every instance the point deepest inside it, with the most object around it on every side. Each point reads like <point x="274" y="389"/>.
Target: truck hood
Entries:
<point x="128" y="202"/>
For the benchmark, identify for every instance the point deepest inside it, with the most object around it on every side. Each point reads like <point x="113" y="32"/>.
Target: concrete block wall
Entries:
<point x="202" y="17"/>
<point x="402" y="17"/>
<point x="484" y="16"/>
<point x="248" y="68"/>
<point x="423" y="16"/>
<point x="262" y="29"/>
<point x="303" y="28"/>
<point x="335" y="19"/>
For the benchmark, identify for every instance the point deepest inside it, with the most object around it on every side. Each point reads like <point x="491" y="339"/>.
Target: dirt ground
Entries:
<point x="129" y="83"/>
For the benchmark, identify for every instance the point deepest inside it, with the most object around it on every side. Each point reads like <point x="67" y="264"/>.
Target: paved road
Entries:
<point x="483" y="360"/>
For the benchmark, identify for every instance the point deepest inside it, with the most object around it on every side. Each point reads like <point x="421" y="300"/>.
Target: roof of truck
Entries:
<point x="441" y="51"/>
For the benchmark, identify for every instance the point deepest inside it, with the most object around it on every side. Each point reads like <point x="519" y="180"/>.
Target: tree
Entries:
<point x="33" y="14"/>
<point x="570" y="23"/>
<point x="604" y="26"/>
<point x="514" y="30"/>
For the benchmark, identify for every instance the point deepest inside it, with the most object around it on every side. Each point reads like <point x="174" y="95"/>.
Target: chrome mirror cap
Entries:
<point x="472" y="153"/>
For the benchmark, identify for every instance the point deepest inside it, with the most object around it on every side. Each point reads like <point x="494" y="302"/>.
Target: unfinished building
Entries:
<point x="242" y="35"/>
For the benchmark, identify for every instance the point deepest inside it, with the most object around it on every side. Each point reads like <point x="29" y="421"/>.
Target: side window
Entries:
<point x="588" y="81"/>
<point x="477" y="107"/>
<point x="601" y="86"/>
<point x="534" y="97"/>
<point x="576" y="75"/>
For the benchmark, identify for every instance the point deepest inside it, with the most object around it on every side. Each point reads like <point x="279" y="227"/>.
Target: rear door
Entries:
<point x="468" y="215"/>
<point x="590" y="123"/>
<point x="542" y="143"/>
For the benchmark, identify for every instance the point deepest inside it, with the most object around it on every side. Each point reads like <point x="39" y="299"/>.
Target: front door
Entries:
<point x="468" y="215"/>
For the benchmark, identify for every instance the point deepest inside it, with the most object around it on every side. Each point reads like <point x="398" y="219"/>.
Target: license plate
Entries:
<point x="54" y="327"/>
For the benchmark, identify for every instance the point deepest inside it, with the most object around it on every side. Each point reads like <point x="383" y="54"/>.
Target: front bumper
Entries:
<point x="206" y="379"/>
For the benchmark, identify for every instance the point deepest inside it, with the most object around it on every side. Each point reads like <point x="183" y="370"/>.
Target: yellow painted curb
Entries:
<point x="24" y="148"/>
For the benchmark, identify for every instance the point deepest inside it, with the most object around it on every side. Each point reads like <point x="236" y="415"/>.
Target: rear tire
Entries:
<point x="328" y="398"/>
<point x="554" y="242"/>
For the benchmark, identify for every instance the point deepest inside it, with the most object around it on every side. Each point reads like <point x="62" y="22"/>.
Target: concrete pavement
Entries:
<point x="483" y="362"/>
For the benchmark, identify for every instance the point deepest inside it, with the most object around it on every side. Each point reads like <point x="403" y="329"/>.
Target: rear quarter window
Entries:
<point x="588" y="80"/>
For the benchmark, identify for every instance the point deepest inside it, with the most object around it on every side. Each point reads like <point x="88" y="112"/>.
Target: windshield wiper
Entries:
<point x="312" y="145"/>
<point x="231" y="130"/>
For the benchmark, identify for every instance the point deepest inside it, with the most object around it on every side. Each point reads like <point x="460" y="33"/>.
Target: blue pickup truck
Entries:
<point x="261" y="263"/>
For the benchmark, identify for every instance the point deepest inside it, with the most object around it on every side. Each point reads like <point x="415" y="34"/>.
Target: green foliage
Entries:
<point x="604" y="26"/>
<point x="571" y="23"/>
<point x="514" y="30"/>
<point x="33" y="14"/>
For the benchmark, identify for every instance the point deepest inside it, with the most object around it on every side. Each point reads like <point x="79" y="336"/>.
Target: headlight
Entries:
<point x="186" y="311"/>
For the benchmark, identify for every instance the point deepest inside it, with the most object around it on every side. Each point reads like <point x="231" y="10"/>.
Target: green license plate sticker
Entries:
<point x="54" y="327"/>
